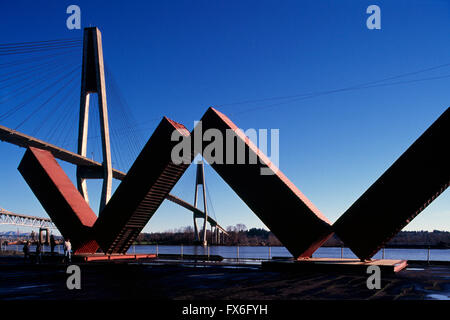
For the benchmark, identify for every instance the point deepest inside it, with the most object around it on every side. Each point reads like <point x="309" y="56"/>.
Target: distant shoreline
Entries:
<point x="419" y="246"/>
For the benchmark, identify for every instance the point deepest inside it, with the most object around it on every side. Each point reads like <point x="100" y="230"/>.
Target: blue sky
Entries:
<point x="177" y="58"/>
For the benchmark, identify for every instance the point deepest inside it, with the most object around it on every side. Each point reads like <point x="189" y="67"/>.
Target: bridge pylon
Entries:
<point x="93" y="81"/>
<point x="200" y="180"/>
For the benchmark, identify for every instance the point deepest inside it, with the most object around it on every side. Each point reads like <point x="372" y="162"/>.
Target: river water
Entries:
<point x="264" y="252"/>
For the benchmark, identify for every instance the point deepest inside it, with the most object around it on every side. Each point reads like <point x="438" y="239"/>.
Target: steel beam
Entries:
<point x="60" y="199"/>
<point x="295" y="221"/>
<point x="420" y="175"/>
<point x="142" y="191"/>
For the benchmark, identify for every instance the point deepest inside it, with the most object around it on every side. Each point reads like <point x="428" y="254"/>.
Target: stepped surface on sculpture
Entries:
<point x="142" y="191"/>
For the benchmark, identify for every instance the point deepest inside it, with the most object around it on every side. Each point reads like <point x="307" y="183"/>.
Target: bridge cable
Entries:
<point x="58" y="104"/>
<point x="38" y="58"/>
<point x="338" y="91"/>
<point x="20" y="106"/>
<point x="34" y="83"/>
<point x="357" y="86"/>
<point x="40" y="42"/>
<point x="59" y="90"/>
<point x="120" y="106"/>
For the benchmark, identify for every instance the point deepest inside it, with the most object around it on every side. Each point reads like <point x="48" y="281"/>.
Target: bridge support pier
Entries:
<point x="200" y="180"/>
<point x="44" y="236"/>
<point x="93" y="81"/>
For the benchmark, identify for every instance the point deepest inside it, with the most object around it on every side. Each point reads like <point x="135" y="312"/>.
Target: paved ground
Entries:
<point x="175" y="281"/>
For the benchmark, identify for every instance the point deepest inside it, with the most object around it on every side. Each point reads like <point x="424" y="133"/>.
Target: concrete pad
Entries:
<point x="334" y="265"/>
<point x="109" y="257"/>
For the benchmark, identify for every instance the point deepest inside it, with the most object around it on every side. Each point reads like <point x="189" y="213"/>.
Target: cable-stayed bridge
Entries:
<point x="148" y="172"/>
<point x="42" y="83"/>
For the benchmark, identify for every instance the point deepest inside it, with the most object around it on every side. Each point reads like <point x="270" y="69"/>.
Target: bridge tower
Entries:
<point x="93" y="81"/>
<point x="200" y="180"/>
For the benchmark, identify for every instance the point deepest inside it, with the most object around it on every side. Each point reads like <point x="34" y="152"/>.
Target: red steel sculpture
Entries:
<point x="420" y="175"/>
<point x="402" y="192"/>
<point x="142" y="191"/>
<point x="275" y="200"/>
<point x="293" y="219"/>
<point x="59" y="197"/>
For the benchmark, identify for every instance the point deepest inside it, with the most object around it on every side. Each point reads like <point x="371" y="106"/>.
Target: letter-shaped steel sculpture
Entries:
<point x="402" y="192"/>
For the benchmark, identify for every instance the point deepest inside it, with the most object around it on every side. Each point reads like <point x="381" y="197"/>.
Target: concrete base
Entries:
<point x="334" y="265"/>
<point x="195" y="257"/>
<point x="109" y="257"/>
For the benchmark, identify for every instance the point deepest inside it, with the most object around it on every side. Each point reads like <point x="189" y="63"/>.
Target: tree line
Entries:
<point x="240" y="235"/>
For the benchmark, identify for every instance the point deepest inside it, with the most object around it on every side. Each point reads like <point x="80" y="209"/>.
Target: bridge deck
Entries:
<point x="22" y="140"/>
<point x="8" y="217"/>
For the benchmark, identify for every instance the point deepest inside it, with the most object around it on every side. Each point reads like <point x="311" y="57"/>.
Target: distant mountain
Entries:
<point x="14" y="234"/>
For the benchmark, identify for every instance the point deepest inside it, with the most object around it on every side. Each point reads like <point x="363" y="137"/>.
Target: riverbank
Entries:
<point x="268" y="252"/>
